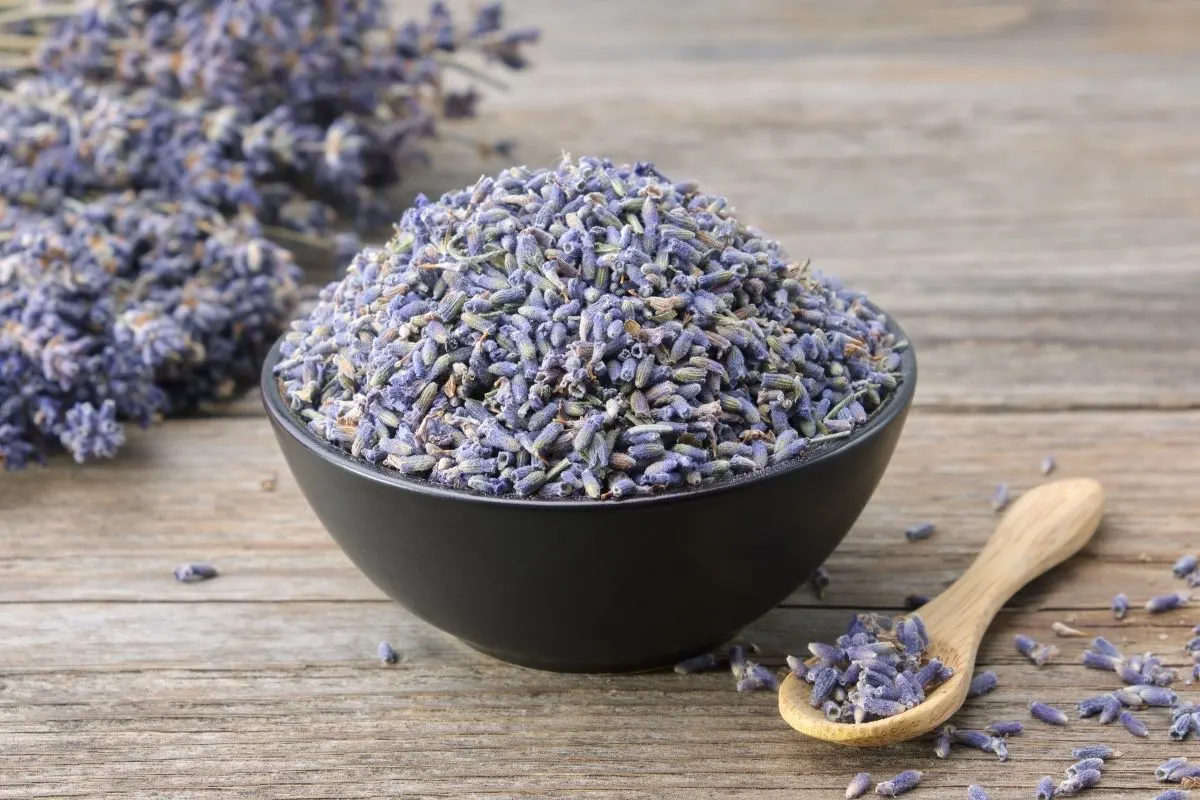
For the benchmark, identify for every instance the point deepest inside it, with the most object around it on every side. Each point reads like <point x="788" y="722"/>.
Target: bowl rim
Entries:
<point x="284" y="418"/>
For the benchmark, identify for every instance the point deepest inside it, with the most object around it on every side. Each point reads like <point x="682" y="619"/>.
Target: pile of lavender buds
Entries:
<point x="592" y="330"/>
<point x="876" y="669"/>
<point x="301" y="110"/>
<point x="127" y="307"/>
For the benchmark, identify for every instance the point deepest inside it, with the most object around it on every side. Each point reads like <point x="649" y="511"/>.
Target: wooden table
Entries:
<point x="1019" y="183"/>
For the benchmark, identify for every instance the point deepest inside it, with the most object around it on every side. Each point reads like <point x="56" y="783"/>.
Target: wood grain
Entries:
<point x="1016" y="181"/>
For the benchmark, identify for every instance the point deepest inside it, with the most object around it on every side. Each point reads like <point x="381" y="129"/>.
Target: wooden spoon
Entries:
<point x="1043" y="528"/>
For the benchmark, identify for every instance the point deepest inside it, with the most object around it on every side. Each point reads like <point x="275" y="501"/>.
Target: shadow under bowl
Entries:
<point x="589" y="585"/>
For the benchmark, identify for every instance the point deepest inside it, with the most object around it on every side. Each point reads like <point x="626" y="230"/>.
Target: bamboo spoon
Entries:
<point x="1043" y="528"/>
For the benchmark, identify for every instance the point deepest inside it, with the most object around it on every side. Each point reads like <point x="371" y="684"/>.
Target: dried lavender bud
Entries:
<point x="194" y="573"/>
<point x="1039" y="654"/>
<point x="797" y="666"/>
<point x="1133" y="724"/>
<point x="700" y="276"/>
<point x="1005" y="728"/>
<point x="1156" y="696"/>
<point x="981" y="740"/>
<point x="820" y="581"/>
<point x="941" y="744"/>
<point x="756" y="677"/>
<point x="1085" y="764"/>
<point x="1165" y="770"/>
<point x="1066" y="631"/>
<point x="858" y="785"/>
<point x="1092" y="705"/>
<point x="1047" y="714"/>
<point x="982" y="683"/>
<point x="1120" y="605"/>
<point x="1000" y="498"/>
<point x="1173" y="794"/>
<point x="704" y="662"/>
<point x="1105" y="647"/>
<point x="1048" y="464"/>
<point x="106" y="316"/>
<point x="1085" y="779"/>
<point x="976" y="792"/>
<point x="904" y="782"/>
<point x="388" y="654"/>
<point x="737" y="661"/>
<point x="920" y="531"/>
<point x="1128" y="698"/>
<point x="1168" y="602"/>
<point x="914" y="601"/>
<point x="1045" y="789"/>
<point x="1111" y="710"/>
<point x="1102" y="751"/>
<point x="1185" y="566"/>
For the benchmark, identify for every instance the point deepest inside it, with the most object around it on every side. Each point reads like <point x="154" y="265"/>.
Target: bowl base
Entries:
<point x="655" y="664"/>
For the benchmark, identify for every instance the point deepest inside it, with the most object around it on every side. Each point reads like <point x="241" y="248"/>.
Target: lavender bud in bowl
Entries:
<point x="584" y="418"/>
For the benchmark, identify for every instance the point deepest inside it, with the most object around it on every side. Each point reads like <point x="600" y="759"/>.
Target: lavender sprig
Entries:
<point x="194" y="573"/>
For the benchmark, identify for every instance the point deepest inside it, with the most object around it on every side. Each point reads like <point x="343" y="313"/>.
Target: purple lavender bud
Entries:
<point x="1085" y="779"/>
<point x="1173" y="794"/>
<point x="1111" y="710"/>
<point x="827" y="653"/>
<point x="823" y="684"/>
<point x="387" y="653"/>
<point x="1085" y="764"/>
<point x="1048" y="464"/>
<point x="1167" y="602"/>
<point x="976" y="792"/>
<point x="976" y="740"/>
<point x="797" y="666"/>
<point x="904" y="782"/>
<point x="1094" y="660"/>
<point x="982" y="683"/>
<point x="1101" y="751"/>
<point x="1130" y="674"/>
<point x="1133" y="724"/>
<point x="1128" y="698"/>
<point x="1105" y="647"/>
<point x="1024" y="645"/>
<point x="1045" y="789"/>
<point x="878" y="707"/>
<point x="1120" y="605"/>
<point x="760" y="676"/>
<point x="701" y="663"/>
<point x="1157" y="696"/>
<point x="1047" y="714"/>
<point x="920" y="531"/>
<point x="194" y="573"/>
<point x="1000" y="497"/>
<point x="1092" y="705"/>
<point x="1185" y="566"/>
<point x="1165" y="770"/>
<point x="1005" y="728"/>
<point x="858" y="785"/>
<point x="941" y="745"/>
<point x="1181" y="726"/>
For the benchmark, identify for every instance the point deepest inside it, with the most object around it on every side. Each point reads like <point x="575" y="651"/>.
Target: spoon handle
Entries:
<point x="1043" y="528"/>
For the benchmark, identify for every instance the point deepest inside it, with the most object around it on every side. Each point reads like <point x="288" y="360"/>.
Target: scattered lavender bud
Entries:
<point x="1100" y="661"/>
<point x="1111" y="710"/>
<point x="1045" y="788"/>
<point x="1185" y="566"/>
<point x="1133" y="724"/>
<point x="820" y="581"/>
<point x="1077" y="782"/>
<point x="1157" y="696"/>
<point x="757" y="677"/>
<point x="1120" y="605"/>
<point x="1167" y="602"/>
<point x="982" y="683"/>
<point x="1000" y="497"/>
<point x="1092" y="705"/>
<point x="1102" y="645"/>
<point x="1173" y="794"/>
<point x="1128" y="699"/>
<point x="750" y="358"/>
<point x="904" y="782"/>
<point x="981" y="740"/>
<point x="858" y="785"/>
<point x="797" y="666"/>
<point x="1066" y="631"/>
<point x="914" y="601"/>
<point x="976" y="792"/>
<point x="701" y="663"/>
<point x="387" y="653"/>
<point x="1048" y="714"/>
<point x="194" y="573"/>
<point x="1085" y="764"/>
<point x="920" y="531"/>
<point x="1048" y="465"/>
<point x="1039" y="654"/>
<point x="1166" y="770"/>
<point x="1005" y="728"/>
<point x="941" y="744"/>
<point x="1102" y="751"/>
<point x="1181" y="727"/>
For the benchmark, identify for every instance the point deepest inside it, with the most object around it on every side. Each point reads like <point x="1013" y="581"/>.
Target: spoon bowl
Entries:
<point x="1044" y="527"/>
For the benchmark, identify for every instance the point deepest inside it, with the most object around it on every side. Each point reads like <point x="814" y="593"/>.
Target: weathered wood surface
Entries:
<point x="1019" y="183"/>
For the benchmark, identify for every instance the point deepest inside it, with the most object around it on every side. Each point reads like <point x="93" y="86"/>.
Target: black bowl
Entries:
<point x="588" y="585"/>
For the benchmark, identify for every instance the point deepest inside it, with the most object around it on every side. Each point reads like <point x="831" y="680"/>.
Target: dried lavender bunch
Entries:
<point x="592" y="330"/>
<point x="300" y="109"/>
<point x="877" y="669"/>
<point x="128" y="307"/>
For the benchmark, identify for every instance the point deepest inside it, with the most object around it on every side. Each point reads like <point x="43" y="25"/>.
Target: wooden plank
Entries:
<point x="288" y="700"/>
<point x="192" y="491"/>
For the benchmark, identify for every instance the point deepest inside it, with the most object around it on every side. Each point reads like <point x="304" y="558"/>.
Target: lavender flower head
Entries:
<point x="588" y="331"/>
